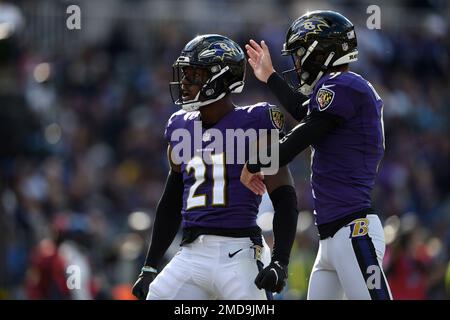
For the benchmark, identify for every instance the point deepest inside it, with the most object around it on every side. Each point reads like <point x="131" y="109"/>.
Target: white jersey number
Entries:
<point x="218" y="173"/>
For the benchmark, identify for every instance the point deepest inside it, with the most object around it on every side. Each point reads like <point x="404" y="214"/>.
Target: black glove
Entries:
<point x="140" y="288"/>
<point x="272" y="278"/>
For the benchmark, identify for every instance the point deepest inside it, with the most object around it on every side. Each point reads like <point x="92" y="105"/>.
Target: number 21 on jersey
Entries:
<point x="198" y="167"/>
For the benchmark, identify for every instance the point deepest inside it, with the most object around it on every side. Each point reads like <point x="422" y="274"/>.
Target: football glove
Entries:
<point x="272" y="278"/>
<point x="141" y="286"/>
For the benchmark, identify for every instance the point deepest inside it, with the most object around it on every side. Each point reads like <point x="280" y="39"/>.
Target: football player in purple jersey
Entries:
<point x="341" y="118"/>
<point x="223" y="254"/>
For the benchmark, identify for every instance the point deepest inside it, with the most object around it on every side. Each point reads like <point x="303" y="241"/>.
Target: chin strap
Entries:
<point x="194" y="106"/>
<point x="308" y="89"/>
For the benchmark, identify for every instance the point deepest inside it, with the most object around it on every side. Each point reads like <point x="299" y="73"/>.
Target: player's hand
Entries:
<point x="272" y="278"/>
<point x="259" y="60"/>
<point x="141" y="286"/>
<point x="253" y="181"/>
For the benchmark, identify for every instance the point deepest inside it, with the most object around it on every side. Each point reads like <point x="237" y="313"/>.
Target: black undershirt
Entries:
<point x="290" y="100"/>
<point x="309" y="131"/>
<point x="167" y="220"/>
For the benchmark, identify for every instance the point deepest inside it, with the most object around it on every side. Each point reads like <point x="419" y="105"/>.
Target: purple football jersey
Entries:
<point x="345" y="163"/>
<point x="214" y="196"/>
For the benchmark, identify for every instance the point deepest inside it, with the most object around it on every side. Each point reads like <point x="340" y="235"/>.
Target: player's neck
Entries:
<point x="343" y="68"/>
<point x="211" y="114"/>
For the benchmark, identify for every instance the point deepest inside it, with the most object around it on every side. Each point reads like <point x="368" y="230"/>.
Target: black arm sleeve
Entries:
<point x="309" y="131"/>
<point x="167" y="220"/>
<point x="284" y="200"/>
<point x="290" y="100"/>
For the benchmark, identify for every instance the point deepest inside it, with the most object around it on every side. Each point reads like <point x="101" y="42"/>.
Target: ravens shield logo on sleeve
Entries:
<point x="324" y="98"/>
<point x="277" y="118"/>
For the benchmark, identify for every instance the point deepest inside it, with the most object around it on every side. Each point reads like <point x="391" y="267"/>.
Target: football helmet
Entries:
<point x="225" y="63"/>
<point x="317" y="41"/>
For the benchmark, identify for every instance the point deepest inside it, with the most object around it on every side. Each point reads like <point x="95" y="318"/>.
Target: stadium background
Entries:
<point x="82" y="155"/>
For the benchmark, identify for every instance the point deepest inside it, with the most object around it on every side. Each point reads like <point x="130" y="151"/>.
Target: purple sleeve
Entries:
<point x="167" y="132"/>
<point x="334" y="98"/>
<point x="170" y="127"/>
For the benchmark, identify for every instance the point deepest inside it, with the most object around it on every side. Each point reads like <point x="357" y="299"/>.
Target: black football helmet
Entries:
<point x="222" y="58"/>
<point x="317" y="41"/>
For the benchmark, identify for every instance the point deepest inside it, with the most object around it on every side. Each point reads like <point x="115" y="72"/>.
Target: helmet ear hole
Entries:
<point x="301" y="51"/>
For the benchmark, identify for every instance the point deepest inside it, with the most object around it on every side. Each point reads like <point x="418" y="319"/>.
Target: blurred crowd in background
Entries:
<point x="82" y="154"/>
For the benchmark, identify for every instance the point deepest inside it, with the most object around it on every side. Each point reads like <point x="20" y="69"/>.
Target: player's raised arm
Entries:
<point x="260" y="60"/>
<point x="165" y="228"/>
<point x="311" y="130"/>
<point x="261" y="63"/>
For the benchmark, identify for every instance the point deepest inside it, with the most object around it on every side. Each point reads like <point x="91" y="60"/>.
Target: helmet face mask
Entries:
<point x="224" y="63"/>
<point x="318" y="41"/>
<point x="188" y="81"/>
<point x="193" y="76"/>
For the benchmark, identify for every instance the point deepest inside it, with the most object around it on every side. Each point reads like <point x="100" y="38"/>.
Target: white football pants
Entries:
<point x="349" y="264"/>
<point x="212" y="267"/>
